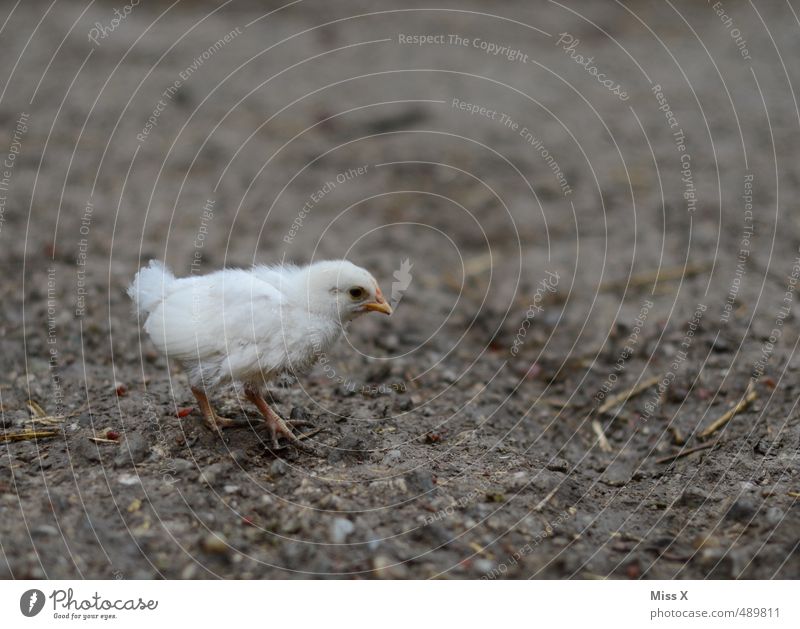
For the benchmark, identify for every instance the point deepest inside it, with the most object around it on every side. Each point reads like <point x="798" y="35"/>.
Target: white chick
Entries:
<point x="248" y="326"/>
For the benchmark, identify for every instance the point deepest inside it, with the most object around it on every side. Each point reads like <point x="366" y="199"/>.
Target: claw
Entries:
<point x="296" y="423"/>
<point x="220" y="423"/>
<point x="210" y="417"/>
<point x="277" y="426"/>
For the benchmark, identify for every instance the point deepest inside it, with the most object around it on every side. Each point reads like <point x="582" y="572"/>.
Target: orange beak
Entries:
<point x="379" y="305"/>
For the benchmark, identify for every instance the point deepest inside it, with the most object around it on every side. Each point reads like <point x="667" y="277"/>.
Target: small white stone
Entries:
<point x="129" y="479"/>
<point x="340" y="529"/>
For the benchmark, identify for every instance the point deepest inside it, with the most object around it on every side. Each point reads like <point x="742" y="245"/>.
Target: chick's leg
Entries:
<point x="210" y="417"/>
<point x="277" y="427"/>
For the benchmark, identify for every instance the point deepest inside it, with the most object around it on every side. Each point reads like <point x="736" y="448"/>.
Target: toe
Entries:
<point x="280" y="428"/>
<point x="220" y="423"/>
<point x="274" y="435"/>
<point x="297" y="423"/>
<point x="211" y="423"/>
<point x="285" y="431"/>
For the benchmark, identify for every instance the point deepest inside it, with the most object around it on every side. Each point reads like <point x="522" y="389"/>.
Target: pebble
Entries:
<point x="215" y="543"/>
<point x="544" y="480"/>
<point x="420" y="481"/>
<point x="291" y="526"/>
<point x="332" y="502"/>
<point x="392" y="458"/>
<point x="617" y="475"/>
<point x="400" y="485"/>
<point x="557" y="465"/>
<point x="180" y="466"/>
<point x="742" y="510"/>
<point x="720" y="345"/>
<point x="339" y="530"/>
<point x="129" y="480"/>
<point x="298" y="414"/>
<point x="677" y="394"/>
<point x="387" y="568"/>
<point x="45" y="530"/>
<point x="373" y="541"/>
<point x="278" y="467"/>
<point x="239" y="456"/>
<point x="762" y="447"/>
<point x="484" y="566"/>
<point x="517" y="480"/>
<point x="390" y="342"/>
<point x="212" y="473"/>
<point x="774" y="515"/>
<point x="403" y="402"/>
<point x="134" y="449"/>
<point x="449" y="376"/>
<point x="88" y="450"/>
<point x="693" y="497"/>
<point x="189" y="571"/>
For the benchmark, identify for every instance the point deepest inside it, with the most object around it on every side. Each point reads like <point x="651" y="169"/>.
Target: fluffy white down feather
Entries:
<point x="250" y="325"/>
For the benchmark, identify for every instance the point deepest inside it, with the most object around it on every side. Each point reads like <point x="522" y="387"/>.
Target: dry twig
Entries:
<point x="29" y="434"/>
<point x="311" y="433"/>
<point x="652" y="277"/>
<point x="627" y="395"/>
<point x="683" y="453"/>
<point x="543" y="502"/>
<point x="677" y="437"/>
<point x="49" y="420"/>
<point x="40" y="416"/>
<point x="605" y="446"/>
<point x="478" y="264"/>
<point x="35" y="409"/>
<point x="747" y="399"/>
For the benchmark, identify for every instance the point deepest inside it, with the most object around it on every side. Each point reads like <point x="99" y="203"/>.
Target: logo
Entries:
<point x="403" y="277"/>
<point x="31" y="603"/>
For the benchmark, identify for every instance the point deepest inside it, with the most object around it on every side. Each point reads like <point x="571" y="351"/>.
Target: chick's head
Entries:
<point x="343" y="290"/>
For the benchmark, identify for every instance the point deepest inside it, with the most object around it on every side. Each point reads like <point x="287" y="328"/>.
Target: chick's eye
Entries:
<point x="356" y="292"/>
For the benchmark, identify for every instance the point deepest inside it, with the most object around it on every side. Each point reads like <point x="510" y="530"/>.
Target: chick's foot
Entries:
<point x="210" y="417"/>
<point x="277" y="426"/>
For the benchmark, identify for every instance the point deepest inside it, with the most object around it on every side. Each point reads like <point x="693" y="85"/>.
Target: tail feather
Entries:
<point x="150" y="286"/>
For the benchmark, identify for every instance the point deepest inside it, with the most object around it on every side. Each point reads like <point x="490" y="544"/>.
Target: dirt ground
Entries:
<point x="586" y="213"/>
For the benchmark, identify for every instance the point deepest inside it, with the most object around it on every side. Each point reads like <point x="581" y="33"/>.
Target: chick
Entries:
<point x="248" y="326"/>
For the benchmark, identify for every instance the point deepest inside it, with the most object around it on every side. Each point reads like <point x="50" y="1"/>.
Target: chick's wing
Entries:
<point x="214" y="315"/>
